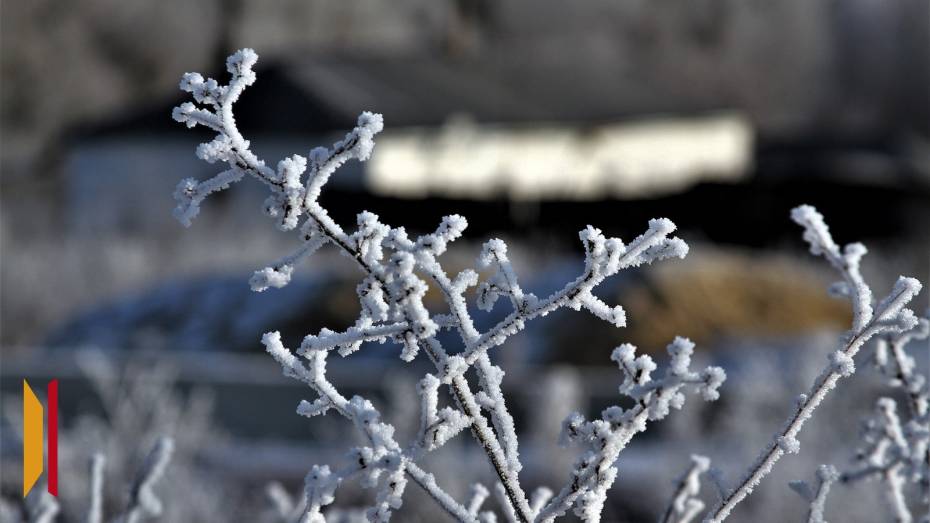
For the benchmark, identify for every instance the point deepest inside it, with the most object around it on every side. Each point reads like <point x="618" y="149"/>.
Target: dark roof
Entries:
<point x="511" y="89"/>
<point x="318" y="94"/>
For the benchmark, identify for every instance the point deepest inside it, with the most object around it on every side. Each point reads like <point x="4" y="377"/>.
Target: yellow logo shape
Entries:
<point x="32" y="438"/>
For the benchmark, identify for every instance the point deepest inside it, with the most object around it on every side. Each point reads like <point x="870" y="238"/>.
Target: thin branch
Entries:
<point x="888" y="316"/>
<point x="685" y="503"/>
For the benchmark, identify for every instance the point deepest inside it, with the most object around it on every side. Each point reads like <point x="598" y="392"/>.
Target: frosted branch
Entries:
<point x="395" y="270"/>
<point x="686" y="504"/>
<point x="43" y="508"/>
<point x="890" y="315"/>
<point x="602" y="440"/>
<point x="95" y="510"/>
<point x="479" y="493"/>
<point x="143" y="502"/>
<point x="888" y="455"/>
<point x="817" y="496"/>
<point x="539" y="498"/>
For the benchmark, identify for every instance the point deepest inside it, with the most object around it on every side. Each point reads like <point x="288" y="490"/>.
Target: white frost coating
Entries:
<point x="904" y="456"/>
<point x="44" y="508"/>
<point x="615" y="315"/>
<point x="686" y="504"/>
<point x="317" y="407"/>
<point x="539" y="498"/>
<point x="479" y="493"/>
<point x="142" y="500"/>
<point x="437" y="426"/>
<point x="510" y="514"/>
<point x="279" y="273"/>
<point x="271" y="277"/>
<point x="817" y="234"/>
<point x="888" y="317"/>
<point x="95" y="509"/>
<point x="817" y="497"/>
<point x="190" y="194"/>
<point x="602" y="440"/>
<point x="895" y="455"/>
<point x="395" y="271"/>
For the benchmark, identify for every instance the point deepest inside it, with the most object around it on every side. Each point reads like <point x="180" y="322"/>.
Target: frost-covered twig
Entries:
<point x="603" y="439"/>
<point x="43" y="508"/>
<point x="392" y="308"/>
<point x="816" y="497"/>
<point x="283" y="505"/>
<point x="95" y="510"/>
<point x="383" y="462"/>
<point x="143" y="502"/>
<point x="685" y="504"/>
<point x="889" y="315"/>
<point x="895" y="451"/>
<point x="900" y="369"/>
<point x="887" y="455"/>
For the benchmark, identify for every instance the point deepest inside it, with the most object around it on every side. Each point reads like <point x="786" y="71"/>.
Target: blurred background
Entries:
<point x="530" y="118"/>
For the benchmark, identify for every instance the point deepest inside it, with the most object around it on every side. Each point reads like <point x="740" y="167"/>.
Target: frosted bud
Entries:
<point x="271" y="277"/>
<point x="492" y="249"/>
<point x="188" y="204"/>
<point x="613" y="415"/>
<point x="789" y="445"/>
<point x="680" y="350"/>
<point x="624" y="354"/>
<point x="854" y="252"/>
<point x="843" y="364"/>
<point x="827" y="473"/>
<point x="183" y="112"/>
<point x="217" y="150"/>
<point x="713" y="378"/>
<point x="320" y="485"/>
<point x="369" y="124"/>
<point x="816" y="232"/>
<point x="290" y="169"/>
<point x="190" y="81"/>
<point x="593" y="240"/>
<point x="240" y="64"/>
<point x="662" y="226"/>
<point x="463" y="280"/>
<point x="452" y="227"/>
<point x="572" y="427"/>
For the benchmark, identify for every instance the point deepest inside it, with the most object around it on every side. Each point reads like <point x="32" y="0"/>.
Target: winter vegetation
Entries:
<point x="391" y="302"/>
<point x="143" y="502"/>
<point x="134" y="476"/>
<point x="396" y="271"/>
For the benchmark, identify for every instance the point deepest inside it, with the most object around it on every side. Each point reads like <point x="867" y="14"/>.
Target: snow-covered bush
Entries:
<point x="396" y="271"/>
<point x="895" y="452"/>
<point x="144" y="446"/>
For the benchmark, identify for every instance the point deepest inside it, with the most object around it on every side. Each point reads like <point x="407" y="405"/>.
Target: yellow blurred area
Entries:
<point x="729" y="294"/>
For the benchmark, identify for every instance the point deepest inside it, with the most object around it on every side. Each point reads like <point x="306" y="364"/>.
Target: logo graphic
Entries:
<point x="32" y="438"/>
